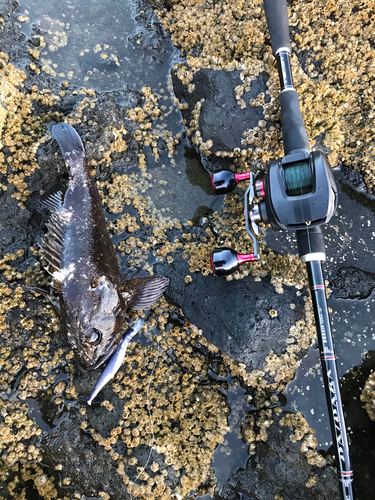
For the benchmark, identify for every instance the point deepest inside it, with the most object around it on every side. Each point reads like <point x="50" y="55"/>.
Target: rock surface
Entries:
<point x="236" y="315"/>
<point x="201" y="389"/>
<point x="281" y="467"/>
<point x="353" y="283"/>
<point x="220" y="118"/>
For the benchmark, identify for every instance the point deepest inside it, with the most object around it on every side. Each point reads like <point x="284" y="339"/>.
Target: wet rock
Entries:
<point x="353" y="283"/>
<point x="70" y="447"/>
<point x="196" y="173"/>
<point x="14" y="232"/>
<point x="234" y="315"/>
<point x="362" y="429"/>
<point x="160" y="4"/>
<point x="356" y="180"/>
<point x="279" y="469"/>
<point x="10" y="34"/>
<point x="7" y="6"/>
<point x="221" y="118"/>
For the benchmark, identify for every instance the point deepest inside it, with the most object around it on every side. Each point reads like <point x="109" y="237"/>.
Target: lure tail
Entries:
<point x="116" y="360"/>
<point x="69" y="141"/>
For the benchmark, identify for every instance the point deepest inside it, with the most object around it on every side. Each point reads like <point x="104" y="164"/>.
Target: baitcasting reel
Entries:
<point x="297" y="191"/>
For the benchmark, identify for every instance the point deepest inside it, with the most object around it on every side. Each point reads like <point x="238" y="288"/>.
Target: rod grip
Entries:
<point x="294" y="131"/>
<point x="278" y="24"/>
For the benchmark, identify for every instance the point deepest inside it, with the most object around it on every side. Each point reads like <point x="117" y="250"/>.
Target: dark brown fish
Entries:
<point x="82" y="261"/>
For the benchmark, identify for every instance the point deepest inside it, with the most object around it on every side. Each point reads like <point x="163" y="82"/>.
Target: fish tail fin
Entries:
<point x="69" y="141"/>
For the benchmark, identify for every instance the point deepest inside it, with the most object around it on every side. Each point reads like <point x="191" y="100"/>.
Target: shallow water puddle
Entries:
<point x="233" y="453"/>
<point x="181" y="187"/>
<point x="103" y="45"/>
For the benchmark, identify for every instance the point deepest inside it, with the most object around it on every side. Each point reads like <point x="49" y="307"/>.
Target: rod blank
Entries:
<point x="330" y="377"/>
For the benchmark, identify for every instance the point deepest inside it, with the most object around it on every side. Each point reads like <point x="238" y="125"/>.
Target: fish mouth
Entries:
<point x="108" y="351"/>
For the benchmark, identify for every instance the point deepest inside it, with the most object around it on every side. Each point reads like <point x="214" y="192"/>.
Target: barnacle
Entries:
<point x="335" y="83"/>
<point x="368" y="396"/>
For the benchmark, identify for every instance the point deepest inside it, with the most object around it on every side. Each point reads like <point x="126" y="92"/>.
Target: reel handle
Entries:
<point x="225" y="181"/>
<point x="224" y="261"/>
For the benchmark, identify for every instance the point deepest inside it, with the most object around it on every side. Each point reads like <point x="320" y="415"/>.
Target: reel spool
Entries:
<point x="298" y="179"/>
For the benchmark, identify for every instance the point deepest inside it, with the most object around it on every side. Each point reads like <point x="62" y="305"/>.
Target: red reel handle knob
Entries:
<point x="224" y="181"/>
<point x="225" y="261"/>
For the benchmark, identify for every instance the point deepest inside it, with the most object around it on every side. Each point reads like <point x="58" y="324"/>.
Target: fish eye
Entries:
<point x="93" y="336"/>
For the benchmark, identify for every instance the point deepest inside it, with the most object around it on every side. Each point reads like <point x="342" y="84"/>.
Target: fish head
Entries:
<point x="95" y="317"/>
<point x="96" y="330"/>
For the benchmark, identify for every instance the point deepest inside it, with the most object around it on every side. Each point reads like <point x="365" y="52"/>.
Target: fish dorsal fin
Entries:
<point x="141" y="293"/>
<point x="52" y="244"/>
<point x="54" y="202"/>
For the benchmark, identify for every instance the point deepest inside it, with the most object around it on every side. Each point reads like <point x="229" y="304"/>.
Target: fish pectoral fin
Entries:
<point x="141" y="293"/>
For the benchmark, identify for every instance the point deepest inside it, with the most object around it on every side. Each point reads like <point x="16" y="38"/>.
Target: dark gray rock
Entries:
<point x="7" y="6"/>
<point x="76" y="451"/>
<point x="353" y="283"/>
<point x="160" y="4"/>
<point x="279" y="466"/>
<point x="234" y="315"/>
<point x="221" y="118"/>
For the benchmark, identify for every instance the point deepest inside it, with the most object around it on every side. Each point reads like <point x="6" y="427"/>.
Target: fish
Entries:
<point x="116" y="360"/>
<point x="78" y="253"/>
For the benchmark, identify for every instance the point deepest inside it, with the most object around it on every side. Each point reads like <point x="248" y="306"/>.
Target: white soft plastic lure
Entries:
<point x="116" y="360"/>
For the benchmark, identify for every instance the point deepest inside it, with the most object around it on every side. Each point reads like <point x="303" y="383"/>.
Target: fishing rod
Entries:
<point x="297" y="193"/>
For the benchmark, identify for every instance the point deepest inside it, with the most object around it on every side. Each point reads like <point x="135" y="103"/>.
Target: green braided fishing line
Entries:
<point x="298" y="179"/>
